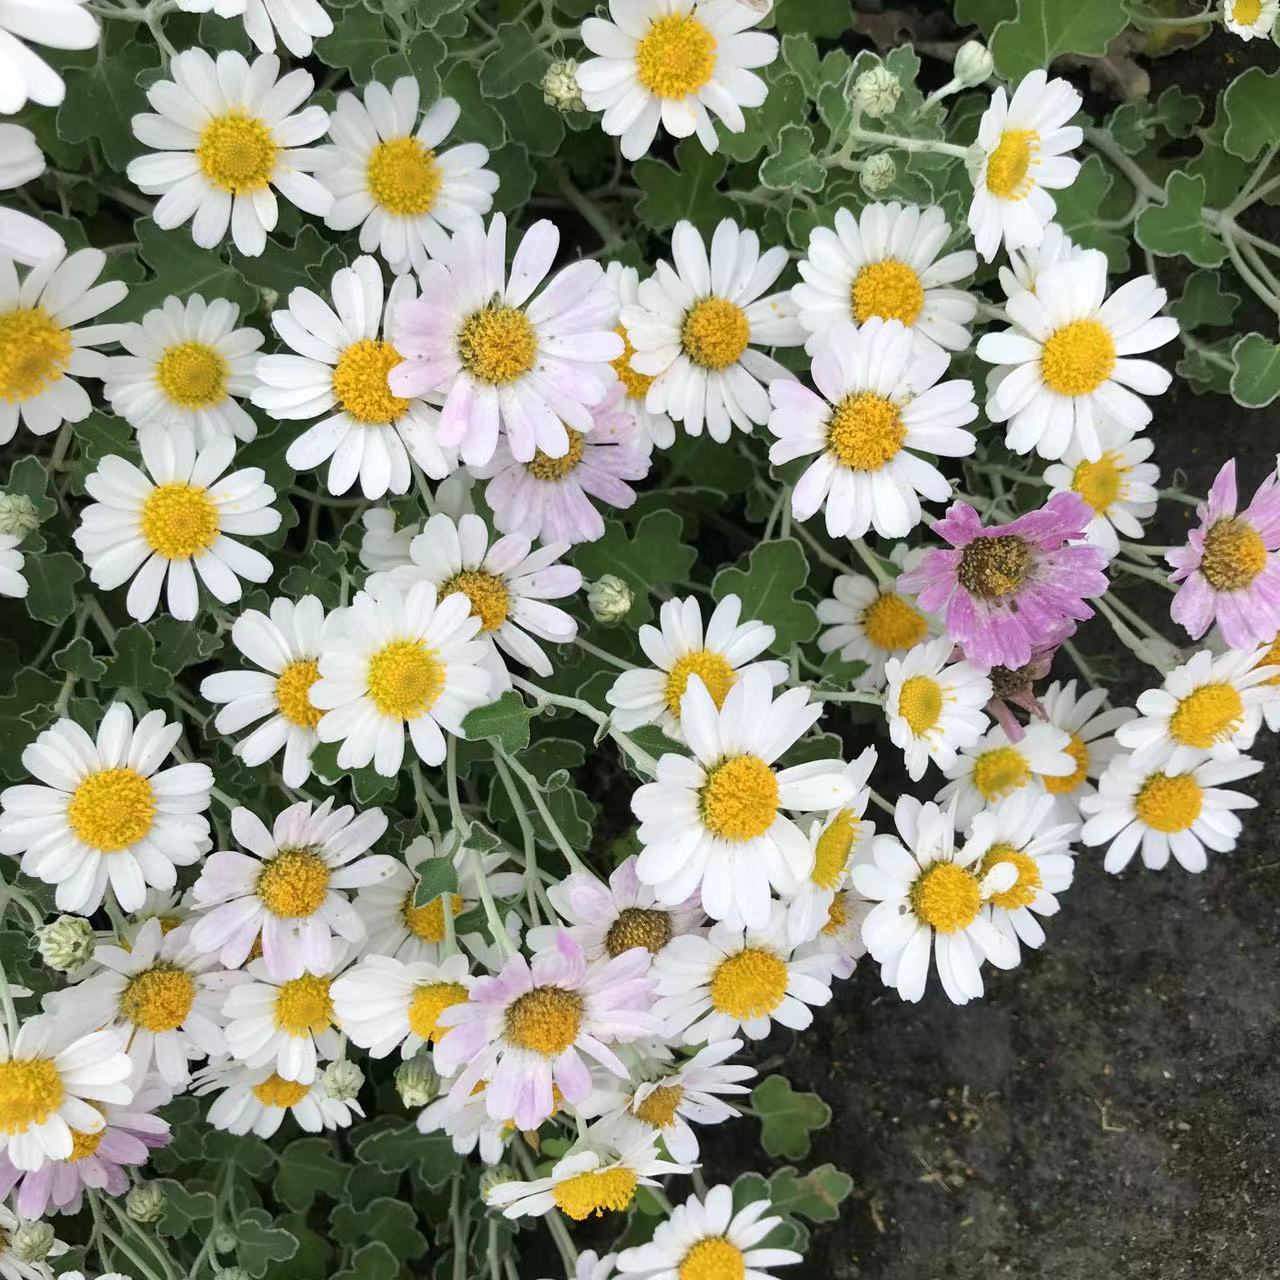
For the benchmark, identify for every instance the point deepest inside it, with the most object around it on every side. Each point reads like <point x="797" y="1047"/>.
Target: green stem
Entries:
<point x="534" y="787"/>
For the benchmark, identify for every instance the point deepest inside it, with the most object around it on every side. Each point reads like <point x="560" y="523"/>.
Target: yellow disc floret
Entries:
<point x="676" y="56"/>
<point x="1022" y="892"/>
<point x="542" y="466"/>
<point x="1169" y="802"/>
<point x="427" y="923"/>
<point x="946" y="897"/>
<point x="715" y="333"/>
<point x="834" y="846"/>
<point x="658" y="1106"/>
<point x="179" y="521"/>
<point x="636" y="384"/>
<point x="488" y="594"/>
<point x="739" y="800"/>
<point x="1078" y="358"/>
<point x="497" y="345"/>
<point x="112" y="809"/>
<point x="35" y="352"/>
<point x="1009" y="165"/>
<point x="193" y="375"/>
<point x="84" y="1145"/>
<point x="403" y="177"/>
<point x="1000" y="771"/>
<point x="159" y="998"/>
<point x="546" y="1020"/>
<point x="237" y="153"/>
<point x="360" y="383"/>
<point x="595" y="1192"/>
<point x="1234" y="554"/>
<point x="405" y="679"/>
<point x="920" y="703"/>
<point x="275" y="1092"/>
<point x="749" y="984"/>
<point x="304" y="1006"/>
<point x="1064" y="785"/>
<point x="893" y="624"/>
<point x="30" y="1091"/>
<point x="712" y="1259"/>
<point x="888" y="289"/>
<point x="1100" y="483"/>
<point x="1207" y="716"/>
<point x="293" y="884"/>
<point x="293" y="693"/>
<point x="865" y="432"/>
<point x="710" y="667"/>
<point x="429" y="1002"/>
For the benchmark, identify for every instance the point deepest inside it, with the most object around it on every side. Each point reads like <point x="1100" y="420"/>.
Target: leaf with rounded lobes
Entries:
<point x="690" y="191"/>
<point x="504" y="721"/>
<point x="1044" y="29"/>
<point x="768" y="581"/>
<point x="653" y="554"/>
<point x="308" y="1168"/>
<point x="1177" y="227"/>
<point x="1252" y="107"/>
<point x="787" y="1118"/>
<point x="1256" y="380"/>
<point x="792" y="164"/>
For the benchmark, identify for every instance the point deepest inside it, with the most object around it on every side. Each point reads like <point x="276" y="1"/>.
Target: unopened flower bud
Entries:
<point x="67" y="943"/>
<point x="973" y="64"/>
<point x="417" y="1082"/>
<point x="560" y="88"/>
<point x="17" y="515"/>
<point x="876" y="92"/>
<point x="32" y="1242"/>
<point x="342" y="1080"/>
<point x="145" y="1203"/>
<point x="224" y="1241"/>
<point x="494" y="1177"/>
<point x="609" y="599"/>
<point x="878" y="173"/>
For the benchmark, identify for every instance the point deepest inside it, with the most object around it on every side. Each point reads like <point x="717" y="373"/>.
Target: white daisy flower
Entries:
<point x="56" y="24"/>
<point x="1091" y="741"/>
<point x="23" y="238"/>
<point x="1024" y="144"/>
<point x="995" y="767"/>
<point x="706" y="1237"/>
<point x="1183" y="812"/>
<point x="1020" y="832"/>
<point x="656" y="428"/>
<point x="1208" y="706"/>
<point x="286" y="646"/>
<point x="383" y="1004"/>
<point x="738" y="979"/>
<point x="287" y="890"/>
<point x="50" y="1079"/>
<point x="1119" y="488"/>
<point x="1270" y="657"/>
<point x="503" y="357"/>
<point x="297" y="22"/>
<point x="225" y="141"/>
<point x="12" y="583"/>
<point x="468" y="1126"/>
<point x="839" y="941"/>
<point x="1067" y="366"/>
<point x="389" y="179"/>
<point x="679" y="648"/>
<point x="181" y="518"/>
<point x="1250" y="18"/>
<point x="187" y="364"/>
<point x="883" y="263"/>
<point x="696" y="330"/>
<point x="929" y="898"/>
<point x="255" y="1100"/>
<point x="934" y="706"/>
<point x="716" y="820"/>
<point x="507" y="585"/>
<point x="400" y="662"/>
<point x="1026" y="264"/>
<point x="162" y="995"/>
<point x="42" y="351"/>
<point x="107" y="813"/>
<point x="674" y="63"/>
<point x="880" y="402"/>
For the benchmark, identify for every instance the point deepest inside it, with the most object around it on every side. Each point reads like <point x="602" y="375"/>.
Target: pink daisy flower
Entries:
<point x="1011" y="588"/>
<point x="1229" y="568"/>
<point x="533" y="1026"/>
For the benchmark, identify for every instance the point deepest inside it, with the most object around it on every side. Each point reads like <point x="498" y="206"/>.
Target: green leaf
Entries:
<point x="1043" y="29"/>
<point x="987" y="14"/>
<point x="359" y="39"/>
<point x="308" y="1168"/>
<point x="479" y="122"/>
<point x="518" y="60"/>
<point x="436" y="877"/>
<point x="785" y="103"/>
<point x="768" y="580"/>
<point x="102" y="99"/>
<point x="282" y="268"/>
<point x="820" y="18"/>
<point x="422" y="59"/>
<point x="259" y="1243"/>
<point x="654" y="554"/>
<point x="1178" y="112"/>
<point x="77" y="660"/>
<point x="134" y="665"/>
<point x="369" y="785"/>
<point x="787" y="1118"/>
<point x="181" y="268"/>
<point x="816" y="1196"/>
<point x="25" y="709"/>
<point x="515" y="176"/>
<point x="687" y="192"/>
<point x="30" y="476"/>
<point x="1177" y="227"/>
<point x="51" y="581"/>
<point x="1256" y="379"/>
<point x="430" y="1155"/>
<point x="793" y="165"/>
<point x="392" y="1221"/>
<point x="1078" y="208"/>
<point x="1204" y="302"/>
<point x="1252" y="107"/>
<point x="180" y="645"/>
<point x="373" y="1261"/>
<point x="183" y="1208"/>
<point x="505" y="722"/>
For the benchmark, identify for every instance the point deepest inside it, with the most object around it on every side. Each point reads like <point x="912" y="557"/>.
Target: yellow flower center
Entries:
<point x="865" y="432"/>
<point x="1234" y="554"/>
<point x="750" y="984"/>
<point x="1271" y="659"/>
<point x="711" y="668"/>
<point x="946" y="897"/>
<point x="1061" y="786"/>
<point x="1207" y="716"/>
<point x="712" y="1259"/>
<point x="275" y="1092"/>
<point x="637" y="384"/>
<point x="85" y="1144"/>
<point x="403" y="177"/>
<point x="892" y="624"/>
<point x="179" y="521"/>
<point x="1078" y="358"/>
<point x="34" y="353"/>
<point x="1169" y="802"/>
<point x="429" y="1002"/>
<point x="837" y="916"/>
<point x="293" y="884"/>
<point x="834" y="846"/>
<point x="996" y="566"/>
<point x="1000" y="771"/>
<point x="1022" y="892"/>
<point x="595" y="1192"/>
<point x="545" y="1020"/>
<point x="544" y="467"/>
<point x="498" y="345"/>
<point x="360" y="383"/>
<point x="920" y="704"/>
<point x="658" y="1107"/>
<point x="1246" y="12"/>
<point x="888" y="289"/>
<point x="159" y="999"/>
<point x="739" y="800"/>
<point x="30" y="1091"/>
<point x="237" y="152"/>
<point x="112" y="809"/>
<point x="1009" y="165"/>
<point x="193" y="375"/>
<point x="427" y="923"/>
<point x="293" y="693"/>
<point x="1100" y="483"/>
<point x="490" y="599"/>
<point x="304" y="1007"/>
<point x="645" y="927"/>
<point x="676" y="57"/>
<point x="715" y="333"/>
<point x="405" y="679"/>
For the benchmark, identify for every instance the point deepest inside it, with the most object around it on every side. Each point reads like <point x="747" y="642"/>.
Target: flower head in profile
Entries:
<point x="1119" y="487"/>
<point x="256" y="1100"/>
<point x="998" y="766"/>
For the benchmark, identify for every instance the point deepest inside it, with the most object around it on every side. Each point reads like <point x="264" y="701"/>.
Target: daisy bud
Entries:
<point x="876" y="92"/>
<point x="609" y="599"/>
<point x="224" y="1241"/>
<point x="494" y="1177"/>
<point x="145" y="1203"/>
<point x="17" y="515"/>
<point x="32" y="1242"/>
<point x="67" y="943"/>
<point x="560" y="87"/>
<point x="878" y="173"/>
<point x="417" y="1082"/>
<point x="342" y="1080"/>
<point x="973" y="64"/>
